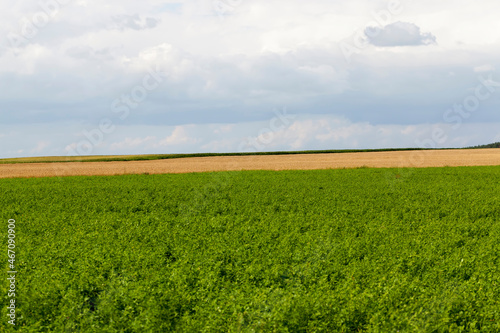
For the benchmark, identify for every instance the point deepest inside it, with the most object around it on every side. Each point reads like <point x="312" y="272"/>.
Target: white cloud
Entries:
<point x="135" y="22"/>
<point x="224" y="129"/>
<point x="179" y="137"/>
<point x="40" y="147"/>
<point x="307" y="132"/>
<point x="70" y="147"/>
<point x="484" y="68"/>
<point x="131" y="143"/>
<point x="399" y="34"/>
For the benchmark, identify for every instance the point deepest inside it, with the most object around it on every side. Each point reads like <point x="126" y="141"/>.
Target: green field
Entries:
<point x="362" y="250"/>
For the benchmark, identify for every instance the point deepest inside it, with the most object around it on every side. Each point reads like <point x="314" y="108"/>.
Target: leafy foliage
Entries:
<point x="258" y="251"/>
<point x="491" y="145"/>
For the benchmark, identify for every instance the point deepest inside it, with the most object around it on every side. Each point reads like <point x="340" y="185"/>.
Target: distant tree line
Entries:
<point x="491" y="145"/>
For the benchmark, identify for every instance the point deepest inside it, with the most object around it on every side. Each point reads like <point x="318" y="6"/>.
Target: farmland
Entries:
<point x="154" y="157"/>
<point x="347" y="250"/>
<point x="93" y="166"/>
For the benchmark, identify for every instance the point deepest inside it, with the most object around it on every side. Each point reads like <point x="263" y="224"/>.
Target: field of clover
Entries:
<point x="359" y="250"/>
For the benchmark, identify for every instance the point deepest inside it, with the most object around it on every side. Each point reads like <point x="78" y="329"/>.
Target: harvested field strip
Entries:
<point x="387" y="159"/>
<point x="150" y="157"/>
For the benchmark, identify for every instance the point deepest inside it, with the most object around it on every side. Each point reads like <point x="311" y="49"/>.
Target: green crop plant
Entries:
<point x="361" y="250"/>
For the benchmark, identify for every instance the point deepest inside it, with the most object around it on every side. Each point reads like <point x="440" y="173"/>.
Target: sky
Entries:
<point x="81" y="77"/>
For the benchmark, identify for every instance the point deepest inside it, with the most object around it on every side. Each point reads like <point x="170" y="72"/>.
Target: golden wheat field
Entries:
<point x="393" y="159"/>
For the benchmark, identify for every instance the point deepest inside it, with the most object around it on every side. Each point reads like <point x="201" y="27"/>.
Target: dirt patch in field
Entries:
<point x="395" y="159"/>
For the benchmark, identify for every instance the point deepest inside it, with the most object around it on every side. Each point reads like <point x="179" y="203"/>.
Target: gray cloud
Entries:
<point x="88" y="53"/>
<point x="237" y="70"/>
<point x="200" y="89"/>
<point x="398" y="34"/>
<point x="135" y="22"/>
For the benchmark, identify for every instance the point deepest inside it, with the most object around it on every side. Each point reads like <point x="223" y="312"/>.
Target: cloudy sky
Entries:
<point x="82" y="77"/>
